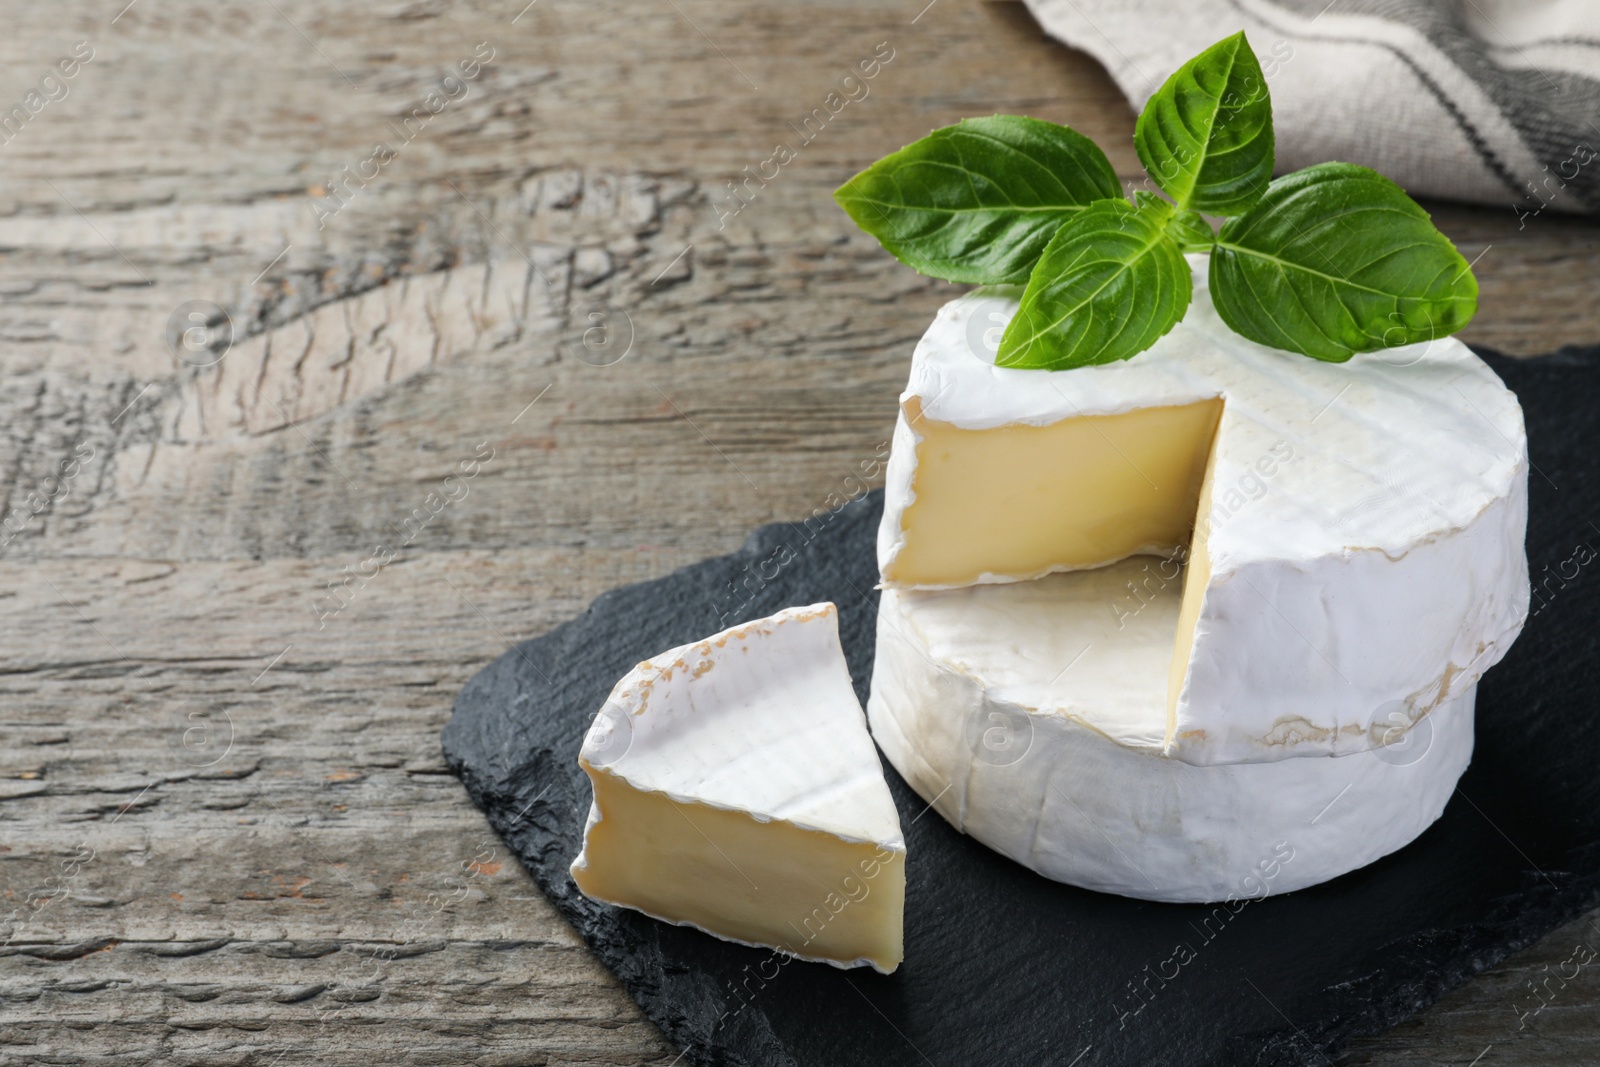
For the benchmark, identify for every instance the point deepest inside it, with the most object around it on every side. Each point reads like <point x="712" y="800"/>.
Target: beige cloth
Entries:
<point x="1491" y="101"/>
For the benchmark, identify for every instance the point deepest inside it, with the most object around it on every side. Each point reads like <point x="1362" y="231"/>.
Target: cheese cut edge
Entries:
<point x="886" y="880"/>
<point x="1102" y="487"/>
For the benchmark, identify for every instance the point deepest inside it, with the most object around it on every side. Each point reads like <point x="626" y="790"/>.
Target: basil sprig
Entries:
<point x="1349" y="263"/>
<point x="1206" y="136"/>
<point x="1326" y="262"/>
<point x="978" y="201"/>
<point x="1111" y="280"/>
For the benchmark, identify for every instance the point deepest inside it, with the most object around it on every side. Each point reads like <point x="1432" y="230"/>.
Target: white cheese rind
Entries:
<point x="1384" y="565"/>
<point x="1291" y="658"/>
<point x="761" y="718"/>
<point x="1050" y="754"/>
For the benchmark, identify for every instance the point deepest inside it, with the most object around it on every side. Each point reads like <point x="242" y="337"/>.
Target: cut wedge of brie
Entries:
<point x="1354" y="532"/>
<point x="1032" y="717"/>
<point x="736" y="790"/>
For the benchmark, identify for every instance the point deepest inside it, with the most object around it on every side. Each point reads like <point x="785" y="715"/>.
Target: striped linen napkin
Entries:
<point x="1490" y="101"/>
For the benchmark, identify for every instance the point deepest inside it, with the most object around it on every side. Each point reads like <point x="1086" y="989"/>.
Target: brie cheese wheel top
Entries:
<point x="1354" y="532"/>
<point x="737" y="790"/>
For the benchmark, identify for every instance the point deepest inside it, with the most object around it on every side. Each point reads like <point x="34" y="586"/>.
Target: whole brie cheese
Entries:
<point x="1353" y="532"/>
<point x="1032" y="715"/>
<point x="736" y="790"/>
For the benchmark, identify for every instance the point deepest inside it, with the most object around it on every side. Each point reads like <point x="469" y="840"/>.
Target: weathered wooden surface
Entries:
<point x="226" y="835"/>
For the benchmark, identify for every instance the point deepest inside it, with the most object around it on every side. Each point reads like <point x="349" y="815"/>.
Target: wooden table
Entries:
<point x="245" y="587"/>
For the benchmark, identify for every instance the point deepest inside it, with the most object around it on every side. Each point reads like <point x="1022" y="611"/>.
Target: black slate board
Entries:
<point x="1003" y="966"/>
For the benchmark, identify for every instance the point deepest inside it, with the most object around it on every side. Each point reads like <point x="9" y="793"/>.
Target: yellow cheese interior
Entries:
<point x="1197" y="575"/>
<point x="1018" y="501"/>
<point x="803" y="892"/>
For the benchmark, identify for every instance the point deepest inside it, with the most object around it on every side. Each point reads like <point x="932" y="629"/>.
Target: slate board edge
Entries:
<point x="1436" y="964"/>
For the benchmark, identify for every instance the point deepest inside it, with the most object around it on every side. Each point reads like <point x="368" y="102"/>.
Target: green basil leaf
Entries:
<point x="1109" y="285"/>
<point x="1336" y="259"/>
<point x="978" y="201"/>
<point x="1206" y="134"/>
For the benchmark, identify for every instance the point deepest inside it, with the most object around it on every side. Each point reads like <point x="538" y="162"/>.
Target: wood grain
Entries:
<point x="240" y="596"/>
